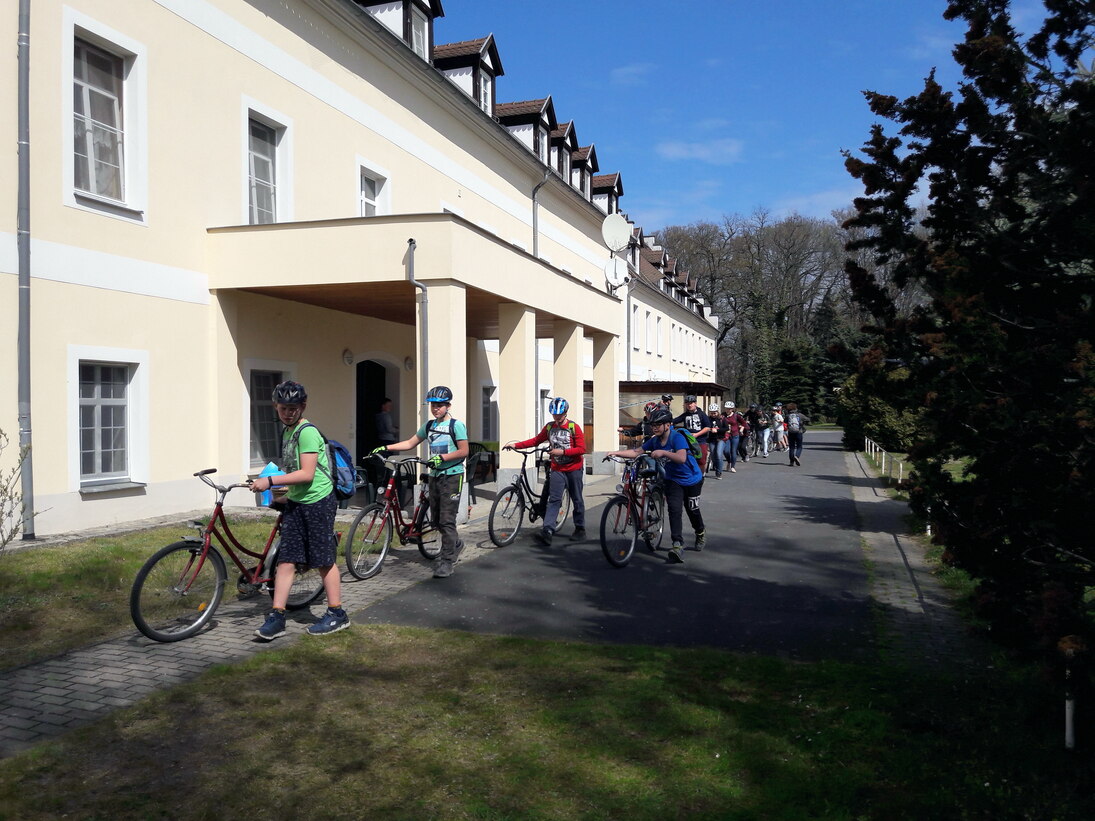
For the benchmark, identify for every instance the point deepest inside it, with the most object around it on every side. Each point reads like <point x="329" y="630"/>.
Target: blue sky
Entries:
<point x="718" y="107"/>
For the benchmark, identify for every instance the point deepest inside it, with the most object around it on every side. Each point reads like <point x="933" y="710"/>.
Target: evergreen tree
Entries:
<point x="999" y="353"/>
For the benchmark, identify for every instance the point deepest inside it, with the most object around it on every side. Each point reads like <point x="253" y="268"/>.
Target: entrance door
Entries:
<point x="372" y="378"/>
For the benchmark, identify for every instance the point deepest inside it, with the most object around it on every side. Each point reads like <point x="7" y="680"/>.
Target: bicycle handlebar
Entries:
<point x="204" y="476"/>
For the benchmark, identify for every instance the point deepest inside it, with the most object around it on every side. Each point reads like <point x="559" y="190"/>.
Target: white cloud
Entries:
<point x="633" y="74"/>
<point x="723" y="151"/>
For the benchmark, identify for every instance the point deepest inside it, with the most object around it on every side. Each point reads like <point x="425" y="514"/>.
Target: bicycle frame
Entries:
<point x="218" y="527"/>
<point x="411" y="530"/>
<point x="528" y="495"/>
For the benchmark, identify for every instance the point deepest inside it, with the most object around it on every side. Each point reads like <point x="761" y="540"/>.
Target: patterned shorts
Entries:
<point x="308" y="533"/>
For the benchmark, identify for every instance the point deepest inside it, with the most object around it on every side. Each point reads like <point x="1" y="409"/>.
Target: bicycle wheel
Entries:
<point x="564" y="511"/>
<point x="177" y="591"/>
<point x="307" y="587"/>
<point x="429" y="543"/>
<point x="368" y="541"/>
<point x="618" y="532"/>
<point x="654" y="518"/>
<point x="507" y="514"/>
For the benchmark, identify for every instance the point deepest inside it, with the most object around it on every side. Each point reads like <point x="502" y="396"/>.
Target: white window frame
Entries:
<point x="659" y="335"/>
<point x="649" y="333"/>
<point x="288" y="370"/>
<point x="635" y="326"/>
<point x="282" y="125"/>
<point x="485" y="101"/>
<point x="420" y="33"/>
<point x="133" y="207"/>
<point x="137" y="413"/>
<point x="382" y="178"/>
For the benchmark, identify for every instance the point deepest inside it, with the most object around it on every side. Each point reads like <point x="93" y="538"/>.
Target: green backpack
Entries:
<point x="693" y="446"/>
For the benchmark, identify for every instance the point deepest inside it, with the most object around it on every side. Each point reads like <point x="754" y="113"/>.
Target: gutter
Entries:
<point x="26" y="468"/>
<point x="423" y="366"/>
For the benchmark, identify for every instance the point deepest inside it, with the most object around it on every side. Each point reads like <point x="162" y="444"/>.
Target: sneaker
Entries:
<point x="543" y="536"/>
<point x="718" y="475"/>
<point x="701" y="540"/>
<point x="274" y="627"/>
<point x="459" y="549"/>
<point x="674" y="556"/>
<point x="766" y="456"/>
<point x="578" y="535"/>
<point x="733" y="470"/>
<point x="442" y="569"/>
<point x="332" y="621"/>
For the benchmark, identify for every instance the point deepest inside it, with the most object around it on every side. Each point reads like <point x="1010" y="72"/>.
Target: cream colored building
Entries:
<point x="225" y="194"/>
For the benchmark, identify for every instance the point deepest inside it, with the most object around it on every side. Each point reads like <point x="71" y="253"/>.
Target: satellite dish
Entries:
<point x="616" y="272"/>
<point x="616" y="232"/>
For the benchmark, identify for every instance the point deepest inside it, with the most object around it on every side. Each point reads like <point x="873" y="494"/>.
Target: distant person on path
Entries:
<point x="735" y="426"/>
<point x="448" y="441"/>
<point x="779" y="438"/>
<point x="719" y="432"/>
<point x="642" y="427"/>
<point x="796" y="427"/>
<point x="308" y="524"/>
<point x="386" y="431"/>
<point x="698" y="423"/>
<point x="683" y="479"/>
<point x="567" y="449"/>
<point x="758" y="423"/>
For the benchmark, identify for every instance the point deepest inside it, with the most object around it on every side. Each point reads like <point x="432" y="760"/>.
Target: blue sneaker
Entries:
<point x="332" y="622"/>
<point x="273" y="628"/>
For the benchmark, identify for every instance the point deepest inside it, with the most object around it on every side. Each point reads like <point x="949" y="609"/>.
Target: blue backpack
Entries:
<point x="338" y="456"/>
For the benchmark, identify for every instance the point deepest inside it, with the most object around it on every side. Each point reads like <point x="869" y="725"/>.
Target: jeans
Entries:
<point x="794" y="441"/>
<point x="680" y="498"/>
<point x="730" y="449"/>
<point x="573" y="481"/>
<point x="763" y="437"/>
<point x="716" y="455"/>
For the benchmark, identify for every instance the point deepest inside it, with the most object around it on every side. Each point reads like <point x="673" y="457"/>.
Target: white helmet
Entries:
<point x="729" y="406"/>
<point x="713" y="407"/>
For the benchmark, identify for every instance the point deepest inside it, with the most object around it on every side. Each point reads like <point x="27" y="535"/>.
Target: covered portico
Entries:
<point x="471" y="285"/>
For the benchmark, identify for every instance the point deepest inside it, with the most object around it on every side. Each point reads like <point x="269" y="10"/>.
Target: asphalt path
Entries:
<point x="783" y="574"/>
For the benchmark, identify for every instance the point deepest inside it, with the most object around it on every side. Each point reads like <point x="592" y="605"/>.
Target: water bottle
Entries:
<point x="266" y="498"/>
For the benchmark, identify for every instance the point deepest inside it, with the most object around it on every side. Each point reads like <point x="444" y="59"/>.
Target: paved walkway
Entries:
<point x="43" y="700"/>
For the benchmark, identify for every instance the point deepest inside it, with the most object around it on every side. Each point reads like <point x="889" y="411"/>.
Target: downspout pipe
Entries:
<point x="23" y="242"/>
<point x="423" y="366"/>
<point x="536" y="253"/>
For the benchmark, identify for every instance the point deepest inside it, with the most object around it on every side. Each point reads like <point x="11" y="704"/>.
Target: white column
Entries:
<point x="517" y="389"/>
<point x="606" y="399"/>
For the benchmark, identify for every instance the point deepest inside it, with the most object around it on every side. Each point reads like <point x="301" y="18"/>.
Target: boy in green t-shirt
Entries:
<point x="448" y="440"/>
<point x="308" y="525"/>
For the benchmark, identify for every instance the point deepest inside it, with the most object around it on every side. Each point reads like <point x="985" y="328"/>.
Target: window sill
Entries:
<point x="113" y="207"/>
<point x="110" y="487"/>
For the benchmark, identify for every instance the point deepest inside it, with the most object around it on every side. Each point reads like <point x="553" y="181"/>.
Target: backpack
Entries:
<point x="693" y="446"/>
<point x="794" y="421"/>
<point x="344" y="477"/>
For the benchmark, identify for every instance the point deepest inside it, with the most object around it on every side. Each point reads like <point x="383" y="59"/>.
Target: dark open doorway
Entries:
<point x="372" y="380"/>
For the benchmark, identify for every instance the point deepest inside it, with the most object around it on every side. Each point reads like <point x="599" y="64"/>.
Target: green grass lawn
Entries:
<point x="386" y="722"/>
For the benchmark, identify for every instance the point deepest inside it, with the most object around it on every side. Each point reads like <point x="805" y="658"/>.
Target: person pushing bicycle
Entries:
<point x="567" y="450"/>
<point x="308" y="524"/>
<point x="683" y="479"/>
<point x="448" y="441"/>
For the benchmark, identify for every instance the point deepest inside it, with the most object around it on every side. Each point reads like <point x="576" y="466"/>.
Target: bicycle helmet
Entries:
<point x="661" y="416"/>
<point x="690" y="398"/>
<point x="646" y="466"/>
<point x="667" y="398"/>
<point x="713" y="407"/>
<point x="289" y="393"/>
<point x="558" y="405"/>
<point x="648" y="408"/>
<point x="439" y="394"/>
<point x="729" y="406"/>
<point x="753" y="406"/>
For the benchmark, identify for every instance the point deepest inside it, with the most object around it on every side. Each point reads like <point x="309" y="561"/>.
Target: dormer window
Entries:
<point x="472" y="66"/>
<point x="486" y="93"/>
<point x="409" y="20"/>
<point x="531" y="122"/>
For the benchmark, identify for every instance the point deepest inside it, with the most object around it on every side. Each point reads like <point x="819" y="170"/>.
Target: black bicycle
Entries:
<point x="636" y="512"/>
<point x="518" y="500"/>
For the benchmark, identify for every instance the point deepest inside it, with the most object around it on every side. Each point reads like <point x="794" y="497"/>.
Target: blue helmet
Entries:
<point x="439" y="394"/>
<point x="289" y="393"/>
<point x="558" y="405"/>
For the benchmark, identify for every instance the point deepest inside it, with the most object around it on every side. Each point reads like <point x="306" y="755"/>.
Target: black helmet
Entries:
<point x="646" y="466"/>
<point x="753" y="406"/>
<point x="667" y="397"/>
<point x="439" y="394"/>
<point x="289" y="393"/>
<point x="661" y="416"/>
<point x="690" y="398"/>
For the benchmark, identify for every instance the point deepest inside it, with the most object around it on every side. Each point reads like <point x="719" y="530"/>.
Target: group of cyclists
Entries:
<point x="308" y="522"/>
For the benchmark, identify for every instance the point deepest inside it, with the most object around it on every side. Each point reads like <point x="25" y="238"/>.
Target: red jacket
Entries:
<point x="568" y="436"/>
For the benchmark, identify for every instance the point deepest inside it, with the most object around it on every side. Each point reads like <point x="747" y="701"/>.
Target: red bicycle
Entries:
<point x="370" y="535"/>
<point x="636" y="512"/>
<point x="177" y="591"/>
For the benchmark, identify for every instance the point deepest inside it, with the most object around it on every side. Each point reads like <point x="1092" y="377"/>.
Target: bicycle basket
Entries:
<point x="646" y="466"/>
